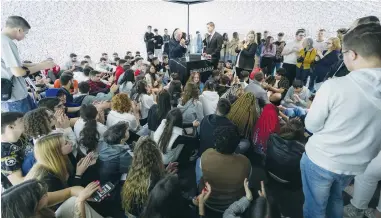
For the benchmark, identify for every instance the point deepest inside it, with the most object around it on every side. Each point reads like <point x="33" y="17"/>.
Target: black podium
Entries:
<point x="184" y="66"/>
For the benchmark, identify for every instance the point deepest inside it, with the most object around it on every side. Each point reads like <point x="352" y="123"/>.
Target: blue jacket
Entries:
<point x="323" y="66"/>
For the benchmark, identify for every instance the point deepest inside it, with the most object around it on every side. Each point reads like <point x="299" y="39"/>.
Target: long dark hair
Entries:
<point x="225" y="36"/>
<point x="163" y="104"/>
<point x="191" y="91"/>
<point x="174" y="118"/>
<point x="153" y="75"/>
<point x="268" y="45"/>
<point x="128" y="77"/>
<point x="89" y="136"/>
<point x="22" y="200"/>
<point x="165" y="200"/>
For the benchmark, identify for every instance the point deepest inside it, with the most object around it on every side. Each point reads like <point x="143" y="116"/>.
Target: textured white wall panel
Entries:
<point x="93" y="27"/>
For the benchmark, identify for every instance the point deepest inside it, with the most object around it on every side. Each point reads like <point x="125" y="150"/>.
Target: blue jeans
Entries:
<point x="322" y="190"/>
<point x="295" y="112"/>
<point x="198" y="171"/>
<point x="23" y="105"/>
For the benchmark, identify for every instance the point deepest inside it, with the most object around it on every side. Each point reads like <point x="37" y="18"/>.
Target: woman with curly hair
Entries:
<point x="55" y="163"/>
<point x="195" y="78"/>
<point x="190" y="105"/>
<point x="41" y="122"/>
<point x="123" y="109"/>
<point x="88" y="130"/>
<point x="146" y="170"/>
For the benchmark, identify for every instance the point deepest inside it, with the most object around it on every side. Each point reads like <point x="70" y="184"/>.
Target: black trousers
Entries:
<point x="269" y="64"/>
<point x="290" y="72"/>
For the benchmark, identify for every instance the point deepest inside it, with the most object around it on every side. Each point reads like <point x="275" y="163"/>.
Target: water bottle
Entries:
<point x="187" y="56"/>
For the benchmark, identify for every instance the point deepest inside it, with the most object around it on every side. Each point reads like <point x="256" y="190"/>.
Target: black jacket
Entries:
<point x="246" y="57"/>
<point x="159" y="41"/>
<point x="323" y="66"/>
<point x="214" y="46"/>
<point x="206" y="130"/>
<point x="175" y="49"/>
<point x="148" y="41"/>
<point x="154" y="121"/>
<point x="338" y="70"/>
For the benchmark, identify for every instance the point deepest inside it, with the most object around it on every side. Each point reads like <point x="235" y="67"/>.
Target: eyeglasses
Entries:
<point x="301" y="35"/>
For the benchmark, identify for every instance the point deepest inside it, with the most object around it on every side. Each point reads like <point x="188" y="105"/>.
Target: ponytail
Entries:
<point x="89" y="136"/>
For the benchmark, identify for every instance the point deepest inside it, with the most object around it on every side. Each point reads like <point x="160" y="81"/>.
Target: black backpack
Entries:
<point x="6" y="88"/>
<point x="283" y="158"/>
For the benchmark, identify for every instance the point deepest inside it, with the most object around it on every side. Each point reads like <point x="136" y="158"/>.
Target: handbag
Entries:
<point x="6" y="88"/>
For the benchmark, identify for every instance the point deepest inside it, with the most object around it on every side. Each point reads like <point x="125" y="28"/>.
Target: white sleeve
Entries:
<point x="320" y="107"/>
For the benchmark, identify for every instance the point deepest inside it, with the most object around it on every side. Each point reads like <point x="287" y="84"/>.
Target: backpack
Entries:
<point x="283" y="158"/>
<point x="6" y="88"/>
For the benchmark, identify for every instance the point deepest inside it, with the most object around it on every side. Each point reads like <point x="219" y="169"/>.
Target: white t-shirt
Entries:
<point x="80" y="124"/>
<point x="146" y="102"/>
<point x="321" y="46"/>
<point x="114" y="117"/>
<point x="291" y="58"/>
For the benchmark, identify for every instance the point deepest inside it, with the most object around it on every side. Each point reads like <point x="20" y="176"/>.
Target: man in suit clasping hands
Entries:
<point x="214" y="43"/>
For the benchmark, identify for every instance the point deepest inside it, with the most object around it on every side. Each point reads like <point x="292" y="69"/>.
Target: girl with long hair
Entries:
<point x="324" y="61"/>
<point x="244" y="114"/>
<point x="175" y="89"/>
<point x="306" y="58"/>
<point x="190" y="105"/>
<point x="146" y="170"/>
<point x="32" y="199"/>
<point x="267" y="124"/>
<point x="153" y="79"/>
<point x="126" y="82"/>
<point x="170" y="137"/>
<point x="268" y="56"/>
<point x="159" y="111"/>
<point x="143" y="100"/>
<point x="246" y="54"/>
<point x="88" y="130"/>
<point x="195" y="78"/>
<point x="55" y="163"/>
<point x="123" y="109"/>
<point x="224" y="50"/>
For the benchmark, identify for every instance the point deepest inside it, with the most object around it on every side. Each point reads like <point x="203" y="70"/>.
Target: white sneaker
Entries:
<point x="351" y="211"/>
<point x="370" y="213"/>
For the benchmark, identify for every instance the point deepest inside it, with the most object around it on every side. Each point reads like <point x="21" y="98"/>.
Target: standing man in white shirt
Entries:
<point x="320" y="43"/>
<point x="290" y="54"/>
<point x="12" y="69"/>
<point x="345" y="119"/>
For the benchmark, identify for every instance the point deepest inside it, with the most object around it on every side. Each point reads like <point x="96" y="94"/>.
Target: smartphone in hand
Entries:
<point x="98" y="196"/>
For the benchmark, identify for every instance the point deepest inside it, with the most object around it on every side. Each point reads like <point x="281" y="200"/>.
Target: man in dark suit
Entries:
<point x="177" y="46"/>
<point x="214" y="43"/>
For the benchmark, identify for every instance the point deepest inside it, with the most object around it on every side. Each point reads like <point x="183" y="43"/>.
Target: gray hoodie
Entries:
<point x="345" y="119"/>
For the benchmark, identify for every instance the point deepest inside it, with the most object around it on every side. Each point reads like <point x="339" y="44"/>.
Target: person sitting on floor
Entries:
<point x="170" y="137"/>
<point x="278" y="89"/>
<point x="14" y="146"/>
<point x="297" y="95"/>
<point x="115" y="155"/>
<point x="97" y="84"/>
<point x="123" y="109"/>
<point x="85" y="98"/>
<point x="224" y="170"/>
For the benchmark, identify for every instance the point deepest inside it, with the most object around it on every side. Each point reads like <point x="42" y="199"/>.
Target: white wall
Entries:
<point x="92" y="27"/>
